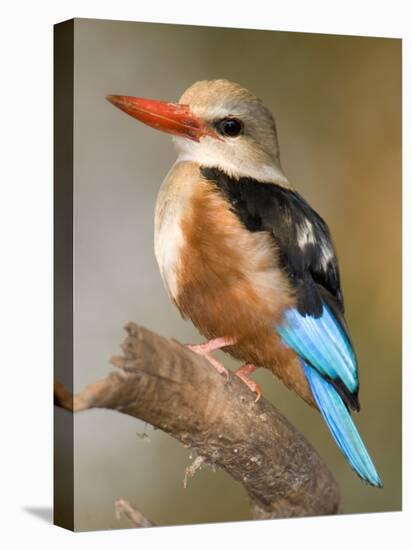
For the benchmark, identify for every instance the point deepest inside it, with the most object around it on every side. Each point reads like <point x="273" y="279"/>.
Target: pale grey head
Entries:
<point x="251" y="152"/>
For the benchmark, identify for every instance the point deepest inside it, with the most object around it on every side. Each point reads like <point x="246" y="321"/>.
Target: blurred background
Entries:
<point x="337" y="104"/>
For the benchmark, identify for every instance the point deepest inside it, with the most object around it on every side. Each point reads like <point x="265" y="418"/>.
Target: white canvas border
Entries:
<point x="26" y="277"/>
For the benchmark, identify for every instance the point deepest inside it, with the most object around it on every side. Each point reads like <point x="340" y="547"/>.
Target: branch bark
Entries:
<point x="134" y="516"/>
<point x="165" y="384"/>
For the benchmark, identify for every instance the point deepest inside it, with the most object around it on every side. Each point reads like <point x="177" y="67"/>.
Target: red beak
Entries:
<point x="172" y="118"/>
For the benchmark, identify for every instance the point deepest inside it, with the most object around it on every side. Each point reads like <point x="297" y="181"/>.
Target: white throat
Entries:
<point x="209" y="153"/>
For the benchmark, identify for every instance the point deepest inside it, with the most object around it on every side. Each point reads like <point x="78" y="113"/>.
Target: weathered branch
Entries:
<point x="165" y="384"/>
<point x="135" y="517"/>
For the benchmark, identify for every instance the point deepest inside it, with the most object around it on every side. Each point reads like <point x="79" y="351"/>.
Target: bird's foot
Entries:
<point x="243" y="373"/>
<point x="207" y="348"/>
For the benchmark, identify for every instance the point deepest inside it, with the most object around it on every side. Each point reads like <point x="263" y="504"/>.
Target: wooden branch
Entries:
<point x="165" y="384"/>
<point x="135" y="518"/>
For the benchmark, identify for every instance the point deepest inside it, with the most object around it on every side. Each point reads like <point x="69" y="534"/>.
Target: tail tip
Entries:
<point x="374" y="480"/>
<point x="379" y="483"/>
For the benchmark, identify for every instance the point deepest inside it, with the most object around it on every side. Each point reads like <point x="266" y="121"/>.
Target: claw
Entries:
<point x="243" y="373"/>
<point x="221" y="369"/>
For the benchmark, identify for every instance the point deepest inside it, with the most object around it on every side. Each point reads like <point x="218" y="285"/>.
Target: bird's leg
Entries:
<point x="243" y="373"/>
<point x="211" y="345"/>
<point x="207" y="348"/>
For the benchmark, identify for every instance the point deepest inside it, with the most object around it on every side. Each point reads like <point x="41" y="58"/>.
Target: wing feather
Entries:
<point x="316" y="329"/>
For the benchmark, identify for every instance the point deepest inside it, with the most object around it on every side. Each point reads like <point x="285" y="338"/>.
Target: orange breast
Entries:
<point x="230" y="284"/>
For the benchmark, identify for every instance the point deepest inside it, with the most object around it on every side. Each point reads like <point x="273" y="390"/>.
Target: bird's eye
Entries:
<point x="230" y="127"/>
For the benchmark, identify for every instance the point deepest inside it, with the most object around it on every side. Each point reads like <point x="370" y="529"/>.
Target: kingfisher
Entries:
<point x="247" y="259"/>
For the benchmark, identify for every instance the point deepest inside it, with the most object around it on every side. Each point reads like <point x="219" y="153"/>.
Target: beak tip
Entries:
<point x="118" y="101"/>
<point x="111" y="98"/>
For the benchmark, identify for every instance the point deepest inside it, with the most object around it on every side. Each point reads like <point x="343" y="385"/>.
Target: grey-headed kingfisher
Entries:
<point x="246" y="258"/>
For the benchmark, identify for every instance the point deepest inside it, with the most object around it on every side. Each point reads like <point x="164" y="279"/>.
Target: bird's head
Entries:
<point x="216" y="123"/>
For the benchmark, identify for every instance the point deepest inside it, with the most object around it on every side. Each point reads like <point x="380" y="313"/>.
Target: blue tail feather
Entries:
<point x="323" y="343"/>
<point x="341" y="425"/>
